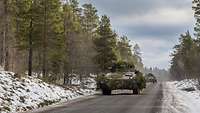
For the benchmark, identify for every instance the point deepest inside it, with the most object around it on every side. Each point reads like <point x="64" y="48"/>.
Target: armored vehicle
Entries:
<point x="151" y="78"/>
<point x="134" y="81"/>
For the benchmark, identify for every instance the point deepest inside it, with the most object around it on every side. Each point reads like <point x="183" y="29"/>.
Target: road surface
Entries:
<point x="150" y="101"/>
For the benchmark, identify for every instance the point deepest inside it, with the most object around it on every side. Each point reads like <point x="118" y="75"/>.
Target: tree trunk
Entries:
<point x="5" y="37"/>
<point x="44" y="50"/>
<point x="30" y="49"/>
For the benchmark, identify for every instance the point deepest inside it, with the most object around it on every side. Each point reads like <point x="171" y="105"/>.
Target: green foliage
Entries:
<point x="90" y="19"/>
<point x="124" y="49"/>
<point x="128" y="59"/>
<point x="49" y="23"/>
<point x="22" y="19"/>
<point x="185" y="58"/>
<point x="57" y="38"/>
<point x="106" y="44"/>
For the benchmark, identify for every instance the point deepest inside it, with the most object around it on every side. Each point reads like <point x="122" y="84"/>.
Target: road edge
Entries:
<point x="61" y="104"/>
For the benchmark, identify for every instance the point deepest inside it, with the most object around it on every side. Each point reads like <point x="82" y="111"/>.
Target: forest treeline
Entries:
<point x="185" y="62"/>
<point x="161" y="74"/>
<point x="57" y="37"/>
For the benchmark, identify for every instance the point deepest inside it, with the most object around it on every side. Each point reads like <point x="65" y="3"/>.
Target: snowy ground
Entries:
<point x="24" y="94"/>
<point x="181" y="97"/>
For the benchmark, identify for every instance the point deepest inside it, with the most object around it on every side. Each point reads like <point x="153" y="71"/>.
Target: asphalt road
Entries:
<point x="150" y="101"/>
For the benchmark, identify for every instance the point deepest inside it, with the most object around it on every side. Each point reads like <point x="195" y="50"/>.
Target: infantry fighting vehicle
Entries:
<point x="151" y="78"/>
<point x="134" y="81"/>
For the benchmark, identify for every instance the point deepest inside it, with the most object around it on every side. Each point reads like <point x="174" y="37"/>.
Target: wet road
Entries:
<point x="150" y="101"/>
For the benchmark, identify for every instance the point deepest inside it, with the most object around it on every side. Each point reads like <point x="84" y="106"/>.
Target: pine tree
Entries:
<point x="71" y="40"/>
<point x="6" y="32"/>
<point x="36" y="22"/>
<point x="90" y="19"/>
<point x="106" y="45"/>
<point x="124" y="49"/>
<point x="25" y="22"/>
<point x="55" y="38"/>
<point x="138" y="57"/>
<point x="48" y="29"/>
<point x="185" y="58"/>
<point x="89" y="24"/>
<point x="76" y="9"/>
<point x="196" y="8"/>
<point x="137" y="50"/>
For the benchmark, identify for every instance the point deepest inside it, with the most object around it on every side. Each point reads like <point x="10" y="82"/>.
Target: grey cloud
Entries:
<point x="123" y="7"/>
<point x="156" y="38"/>
<point x="155" y="31"/>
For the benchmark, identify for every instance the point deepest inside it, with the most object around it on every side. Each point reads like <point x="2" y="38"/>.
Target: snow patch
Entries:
<point x="24" y="94"/>
<point x="178" y="99"/>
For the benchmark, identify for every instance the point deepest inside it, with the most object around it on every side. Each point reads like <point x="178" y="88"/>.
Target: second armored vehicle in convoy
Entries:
<point x="150" y="78"/>
<point x="134" y="81"/>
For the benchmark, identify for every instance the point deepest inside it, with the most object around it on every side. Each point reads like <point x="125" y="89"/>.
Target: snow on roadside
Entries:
<point x="181" y="97"/>
<point x="18" y="95"/>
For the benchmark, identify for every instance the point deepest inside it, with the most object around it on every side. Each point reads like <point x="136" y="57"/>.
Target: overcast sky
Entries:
<point x="154" y="24"/>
